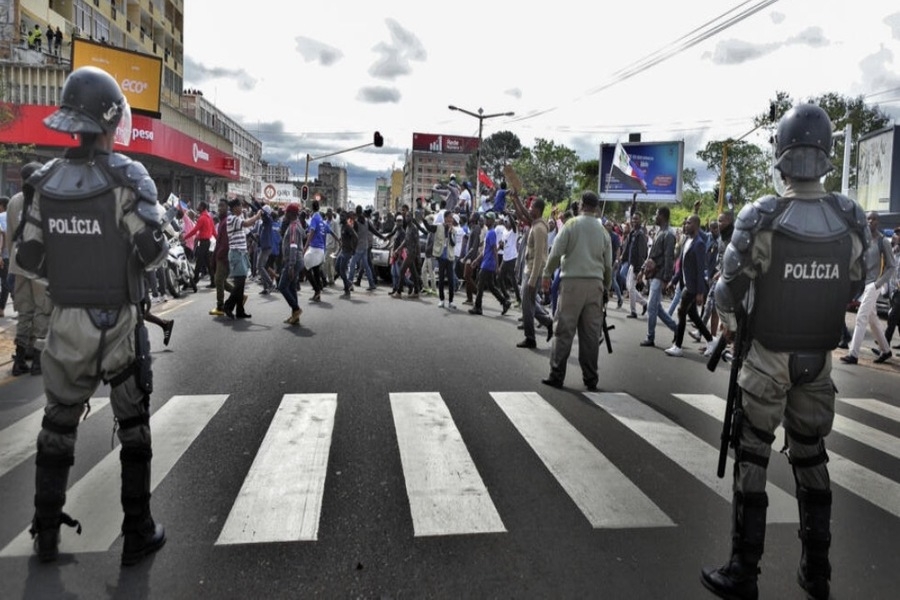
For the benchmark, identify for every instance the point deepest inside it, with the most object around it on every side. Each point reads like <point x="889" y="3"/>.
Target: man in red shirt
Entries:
<point x="205" y="230"/>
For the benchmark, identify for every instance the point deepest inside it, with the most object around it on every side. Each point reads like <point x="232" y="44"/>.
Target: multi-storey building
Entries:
<point x="277" y="173"/>
<point x="331" y="185"/>
<point x="189" y="147"/>
<point x="433" y="158"/>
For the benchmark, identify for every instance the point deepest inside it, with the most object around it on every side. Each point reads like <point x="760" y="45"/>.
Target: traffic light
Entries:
<point x="378" y="141"/>
<point x="304" y="193"/>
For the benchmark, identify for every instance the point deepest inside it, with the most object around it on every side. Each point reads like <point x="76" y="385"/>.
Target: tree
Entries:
<point x="842" y="110"/>
<point x="547" y="170"/>
<point x="587" y="174"/>
<point x="746" y="168"/>
<point x="497" y="151"/>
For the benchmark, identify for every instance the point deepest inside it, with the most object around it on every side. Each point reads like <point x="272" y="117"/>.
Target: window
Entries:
<point x="101" y="28"/>
<point x="83" y="17"/>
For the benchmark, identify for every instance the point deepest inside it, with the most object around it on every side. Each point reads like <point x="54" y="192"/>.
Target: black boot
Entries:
<point x="142" y="535"/>
<point x="36" y="364"/>
<point x="51" y="479"/>
<point x="20" y="363"/>
<point x="736" y="580"/>
<point x="814" y="574"/>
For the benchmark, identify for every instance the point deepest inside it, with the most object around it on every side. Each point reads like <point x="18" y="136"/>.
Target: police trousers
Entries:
<point x="769" y="399"/>
<point x="77" y="358"/>
<point x="34" y="307"/>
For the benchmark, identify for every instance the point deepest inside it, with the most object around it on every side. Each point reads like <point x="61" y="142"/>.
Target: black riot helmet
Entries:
<point x="803" y="143"/>
<point x="92" y="102"/>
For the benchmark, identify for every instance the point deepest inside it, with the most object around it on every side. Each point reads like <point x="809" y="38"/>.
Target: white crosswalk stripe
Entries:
<point x="446" y="493"/>
<point x="95" y="497"/>
<point x="877" y="489"/>
<point x="687" y="450"/>
<point x="281" y="497"/>
<point x="603" y="493"/>
<point x="19" y="440"/>
<point x="874" y="406"/>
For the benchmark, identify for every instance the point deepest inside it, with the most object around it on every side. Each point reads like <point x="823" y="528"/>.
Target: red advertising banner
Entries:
<point x="447" y="144"/>
<point x="148" y="136"/>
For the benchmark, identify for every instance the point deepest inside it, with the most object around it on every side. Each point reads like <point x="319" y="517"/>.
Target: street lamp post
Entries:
<point x="481" y="117"/>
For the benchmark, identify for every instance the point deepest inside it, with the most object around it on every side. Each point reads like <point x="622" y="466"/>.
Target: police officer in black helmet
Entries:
<point x="93" y="227"/>
<point x="793" y="263"/>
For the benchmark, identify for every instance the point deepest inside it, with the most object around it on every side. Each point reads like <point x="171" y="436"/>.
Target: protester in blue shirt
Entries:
<point x="487" y="273"/>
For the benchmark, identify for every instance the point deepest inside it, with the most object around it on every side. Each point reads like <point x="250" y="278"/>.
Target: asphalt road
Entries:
<point x="426" y="459"/>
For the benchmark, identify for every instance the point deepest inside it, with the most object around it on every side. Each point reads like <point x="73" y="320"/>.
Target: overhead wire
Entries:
<point x="660" y="55"/>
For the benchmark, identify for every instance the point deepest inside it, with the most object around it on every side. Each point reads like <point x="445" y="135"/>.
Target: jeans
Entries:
<point x="342" y="266"/>
<point x="262" y="258"/>
<point x="445" y="276"/>
<point x="362" y="255"/>
<point x="676" y="299"/>
<point x="288" y="286"/>
<point x="653" y="304"/>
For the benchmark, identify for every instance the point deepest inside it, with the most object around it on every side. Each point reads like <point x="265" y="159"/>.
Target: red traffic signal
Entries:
<point x="304" y="193"/>
<point x="378" y="140"/>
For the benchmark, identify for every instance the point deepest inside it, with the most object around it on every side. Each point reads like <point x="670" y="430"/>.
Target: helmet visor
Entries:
<point x="123" y="129"/>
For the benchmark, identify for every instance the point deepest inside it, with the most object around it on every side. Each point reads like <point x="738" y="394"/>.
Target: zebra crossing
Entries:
<point x="281" y="497"/>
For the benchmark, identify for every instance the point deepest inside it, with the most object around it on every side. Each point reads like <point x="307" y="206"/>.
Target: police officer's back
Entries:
<point x="793" y="263"/>
<point x="94" y="226"/>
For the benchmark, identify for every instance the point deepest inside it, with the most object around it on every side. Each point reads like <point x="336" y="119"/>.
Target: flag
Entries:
<point x="184" y="205"/>
<point x="626" y="171"/>
<point x="484" y="179"/>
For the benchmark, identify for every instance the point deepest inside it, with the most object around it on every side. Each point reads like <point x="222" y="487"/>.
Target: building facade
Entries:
<point x="432" y="160"/>
<point x="189" y="147"/>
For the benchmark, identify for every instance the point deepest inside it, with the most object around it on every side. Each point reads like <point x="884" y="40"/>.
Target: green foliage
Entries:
<point x="746" y="168"/>
<point x="547" y="170"/>
<point x="842" y="110"/>
<point x="497" y="151"/>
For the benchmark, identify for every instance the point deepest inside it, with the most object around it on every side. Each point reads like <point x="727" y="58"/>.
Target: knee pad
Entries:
<point x="805" y="451"/>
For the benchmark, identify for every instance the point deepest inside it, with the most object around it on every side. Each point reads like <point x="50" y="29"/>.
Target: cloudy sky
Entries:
<point x="319" y="78"/>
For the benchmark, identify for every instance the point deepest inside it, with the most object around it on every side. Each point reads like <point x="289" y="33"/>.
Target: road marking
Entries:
<point x="874" y="406"/>
<point x="18" y="442"/>
<point x="281" y="498"/>
<point x="95" y="498"/>
<point x="601" y="491"/>
<point x="687" y="450"/>
<point x="446" y="494"/>
<point x="865" y="483"/>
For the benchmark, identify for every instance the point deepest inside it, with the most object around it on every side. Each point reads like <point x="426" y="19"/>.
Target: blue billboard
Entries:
<point x="660" y="164"/>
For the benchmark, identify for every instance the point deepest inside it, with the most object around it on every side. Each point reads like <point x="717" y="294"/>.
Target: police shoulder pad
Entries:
<point x="135" y="176"/>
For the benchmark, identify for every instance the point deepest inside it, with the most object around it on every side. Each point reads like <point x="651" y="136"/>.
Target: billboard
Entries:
<point x="661" y="164"/>
<point x="139" y="75"/>
<point x="874" y="172"/>
<point x="445" y="144"/>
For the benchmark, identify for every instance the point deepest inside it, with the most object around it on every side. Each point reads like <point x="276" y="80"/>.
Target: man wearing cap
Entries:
<point x="292" y="261"/>
<point x="584" y="252"/>
<point x="488" y="260"/>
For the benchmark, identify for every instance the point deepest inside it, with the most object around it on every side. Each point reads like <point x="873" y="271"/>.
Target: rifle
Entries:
<point x="734" y="391"/>
<point x="606" y="328"/>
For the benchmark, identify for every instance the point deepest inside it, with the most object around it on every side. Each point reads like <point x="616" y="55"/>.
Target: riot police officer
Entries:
<point x="93" y="227"/>
<point x="793" y="263"/>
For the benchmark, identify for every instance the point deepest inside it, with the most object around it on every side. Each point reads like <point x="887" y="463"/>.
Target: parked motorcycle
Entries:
<point x="179" y="270"/>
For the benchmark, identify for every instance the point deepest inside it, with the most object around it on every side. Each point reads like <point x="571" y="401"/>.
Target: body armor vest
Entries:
<point x="87" y="253"/>
<point x="801" y="299"/>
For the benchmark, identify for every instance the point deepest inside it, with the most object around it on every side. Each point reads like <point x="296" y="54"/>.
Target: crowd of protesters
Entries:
<point x="495" y="244"/>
